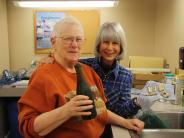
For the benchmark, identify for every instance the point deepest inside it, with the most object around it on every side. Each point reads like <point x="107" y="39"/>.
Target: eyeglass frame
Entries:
<point x="70" y="39"/>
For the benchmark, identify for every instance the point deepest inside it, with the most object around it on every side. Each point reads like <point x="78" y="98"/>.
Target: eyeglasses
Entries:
<point x="69" y="39"/>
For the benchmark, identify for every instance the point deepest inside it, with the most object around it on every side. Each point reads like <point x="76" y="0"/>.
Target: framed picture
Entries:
<point x="44" y="22"/>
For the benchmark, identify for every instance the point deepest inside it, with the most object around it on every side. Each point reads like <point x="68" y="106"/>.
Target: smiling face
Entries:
<point x="67" y="46"/>
<point x="109" y="51"/>
<point x="110" y="44"/>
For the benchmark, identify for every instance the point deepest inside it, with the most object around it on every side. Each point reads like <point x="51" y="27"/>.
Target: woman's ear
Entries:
<point x="53" y="42"/>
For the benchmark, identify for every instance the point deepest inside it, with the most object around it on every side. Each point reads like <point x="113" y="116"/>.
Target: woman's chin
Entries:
<point x="73" y="58"/>
<point x="73" y="61"/>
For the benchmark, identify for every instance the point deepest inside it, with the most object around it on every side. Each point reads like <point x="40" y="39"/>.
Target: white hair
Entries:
<point x="111" y="31"/>
<point x="59" y="27"/>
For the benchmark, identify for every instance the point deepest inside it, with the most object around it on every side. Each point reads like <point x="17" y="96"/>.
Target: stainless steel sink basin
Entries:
<point x="162" y="133"/>
<point x="174" y="120"/>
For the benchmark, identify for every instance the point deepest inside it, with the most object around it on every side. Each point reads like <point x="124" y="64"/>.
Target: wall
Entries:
<point x="21" y="36"/>
<point x="137" y="17"/>
<point x="4" y="49"/>
<point x="169" y="34"/>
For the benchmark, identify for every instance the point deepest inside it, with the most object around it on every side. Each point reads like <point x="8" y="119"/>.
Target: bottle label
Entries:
<point x="99" y="103"/>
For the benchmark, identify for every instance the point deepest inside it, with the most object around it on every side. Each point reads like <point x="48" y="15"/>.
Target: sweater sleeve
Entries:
<point x="32" y="103"/>
<point x="125" y="106"/>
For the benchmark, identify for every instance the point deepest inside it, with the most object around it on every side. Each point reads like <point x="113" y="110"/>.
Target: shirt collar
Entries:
<point x="113" y="71"/>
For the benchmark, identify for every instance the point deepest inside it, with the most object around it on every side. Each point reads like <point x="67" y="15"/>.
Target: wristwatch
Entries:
<point x="135" y="102"/>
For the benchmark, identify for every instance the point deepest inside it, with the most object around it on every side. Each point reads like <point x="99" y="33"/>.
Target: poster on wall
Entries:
<point x="44" y="22"/>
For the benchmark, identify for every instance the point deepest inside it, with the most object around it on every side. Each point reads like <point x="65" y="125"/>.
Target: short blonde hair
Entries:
<point x="111" y="31"/>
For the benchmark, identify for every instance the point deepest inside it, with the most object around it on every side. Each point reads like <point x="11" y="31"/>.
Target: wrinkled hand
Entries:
<point x="77" y="106"/>
<point x="135" y="124"/>
<point x="146" y="101"/>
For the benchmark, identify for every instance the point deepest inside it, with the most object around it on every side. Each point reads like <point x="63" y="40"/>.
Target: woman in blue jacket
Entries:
<point x="110" y="48"/>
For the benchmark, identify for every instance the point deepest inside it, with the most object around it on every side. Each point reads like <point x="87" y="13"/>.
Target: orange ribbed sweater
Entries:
<point x="48" y="87"/>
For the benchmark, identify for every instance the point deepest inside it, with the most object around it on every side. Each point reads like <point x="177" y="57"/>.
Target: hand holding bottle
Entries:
<point x="78" y="106"/>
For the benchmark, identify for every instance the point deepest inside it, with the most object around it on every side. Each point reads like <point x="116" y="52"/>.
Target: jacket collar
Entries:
<point x="113" y="71"/>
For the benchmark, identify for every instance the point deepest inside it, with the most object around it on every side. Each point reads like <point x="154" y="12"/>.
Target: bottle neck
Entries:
<point x="78" y="71"/>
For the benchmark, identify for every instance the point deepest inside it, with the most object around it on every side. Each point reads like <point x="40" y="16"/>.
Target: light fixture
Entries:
<point x="65" y="3"/>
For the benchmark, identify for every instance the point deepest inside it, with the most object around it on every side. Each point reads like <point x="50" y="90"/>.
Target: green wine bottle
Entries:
<point x="84" y="89"/>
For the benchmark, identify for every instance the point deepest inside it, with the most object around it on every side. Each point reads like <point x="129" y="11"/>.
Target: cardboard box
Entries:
<point x="138" y="86"/>
<point x="139" y="80"/>
<point x="154" y="77"/>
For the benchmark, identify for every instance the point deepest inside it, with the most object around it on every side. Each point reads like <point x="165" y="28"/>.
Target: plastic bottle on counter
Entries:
<point x="169" y="78"/>
<point x="183" y="99"/>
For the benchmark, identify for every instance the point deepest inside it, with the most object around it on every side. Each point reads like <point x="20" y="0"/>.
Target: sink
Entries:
<point x="163" y="120"/>
<point x="173" y="120"/>
<point x="162" y="133"/>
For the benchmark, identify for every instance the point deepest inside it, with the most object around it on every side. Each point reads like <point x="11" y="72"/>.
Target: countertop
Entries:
<point x="119" y="132"/>
<point x="11" y="91"/>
